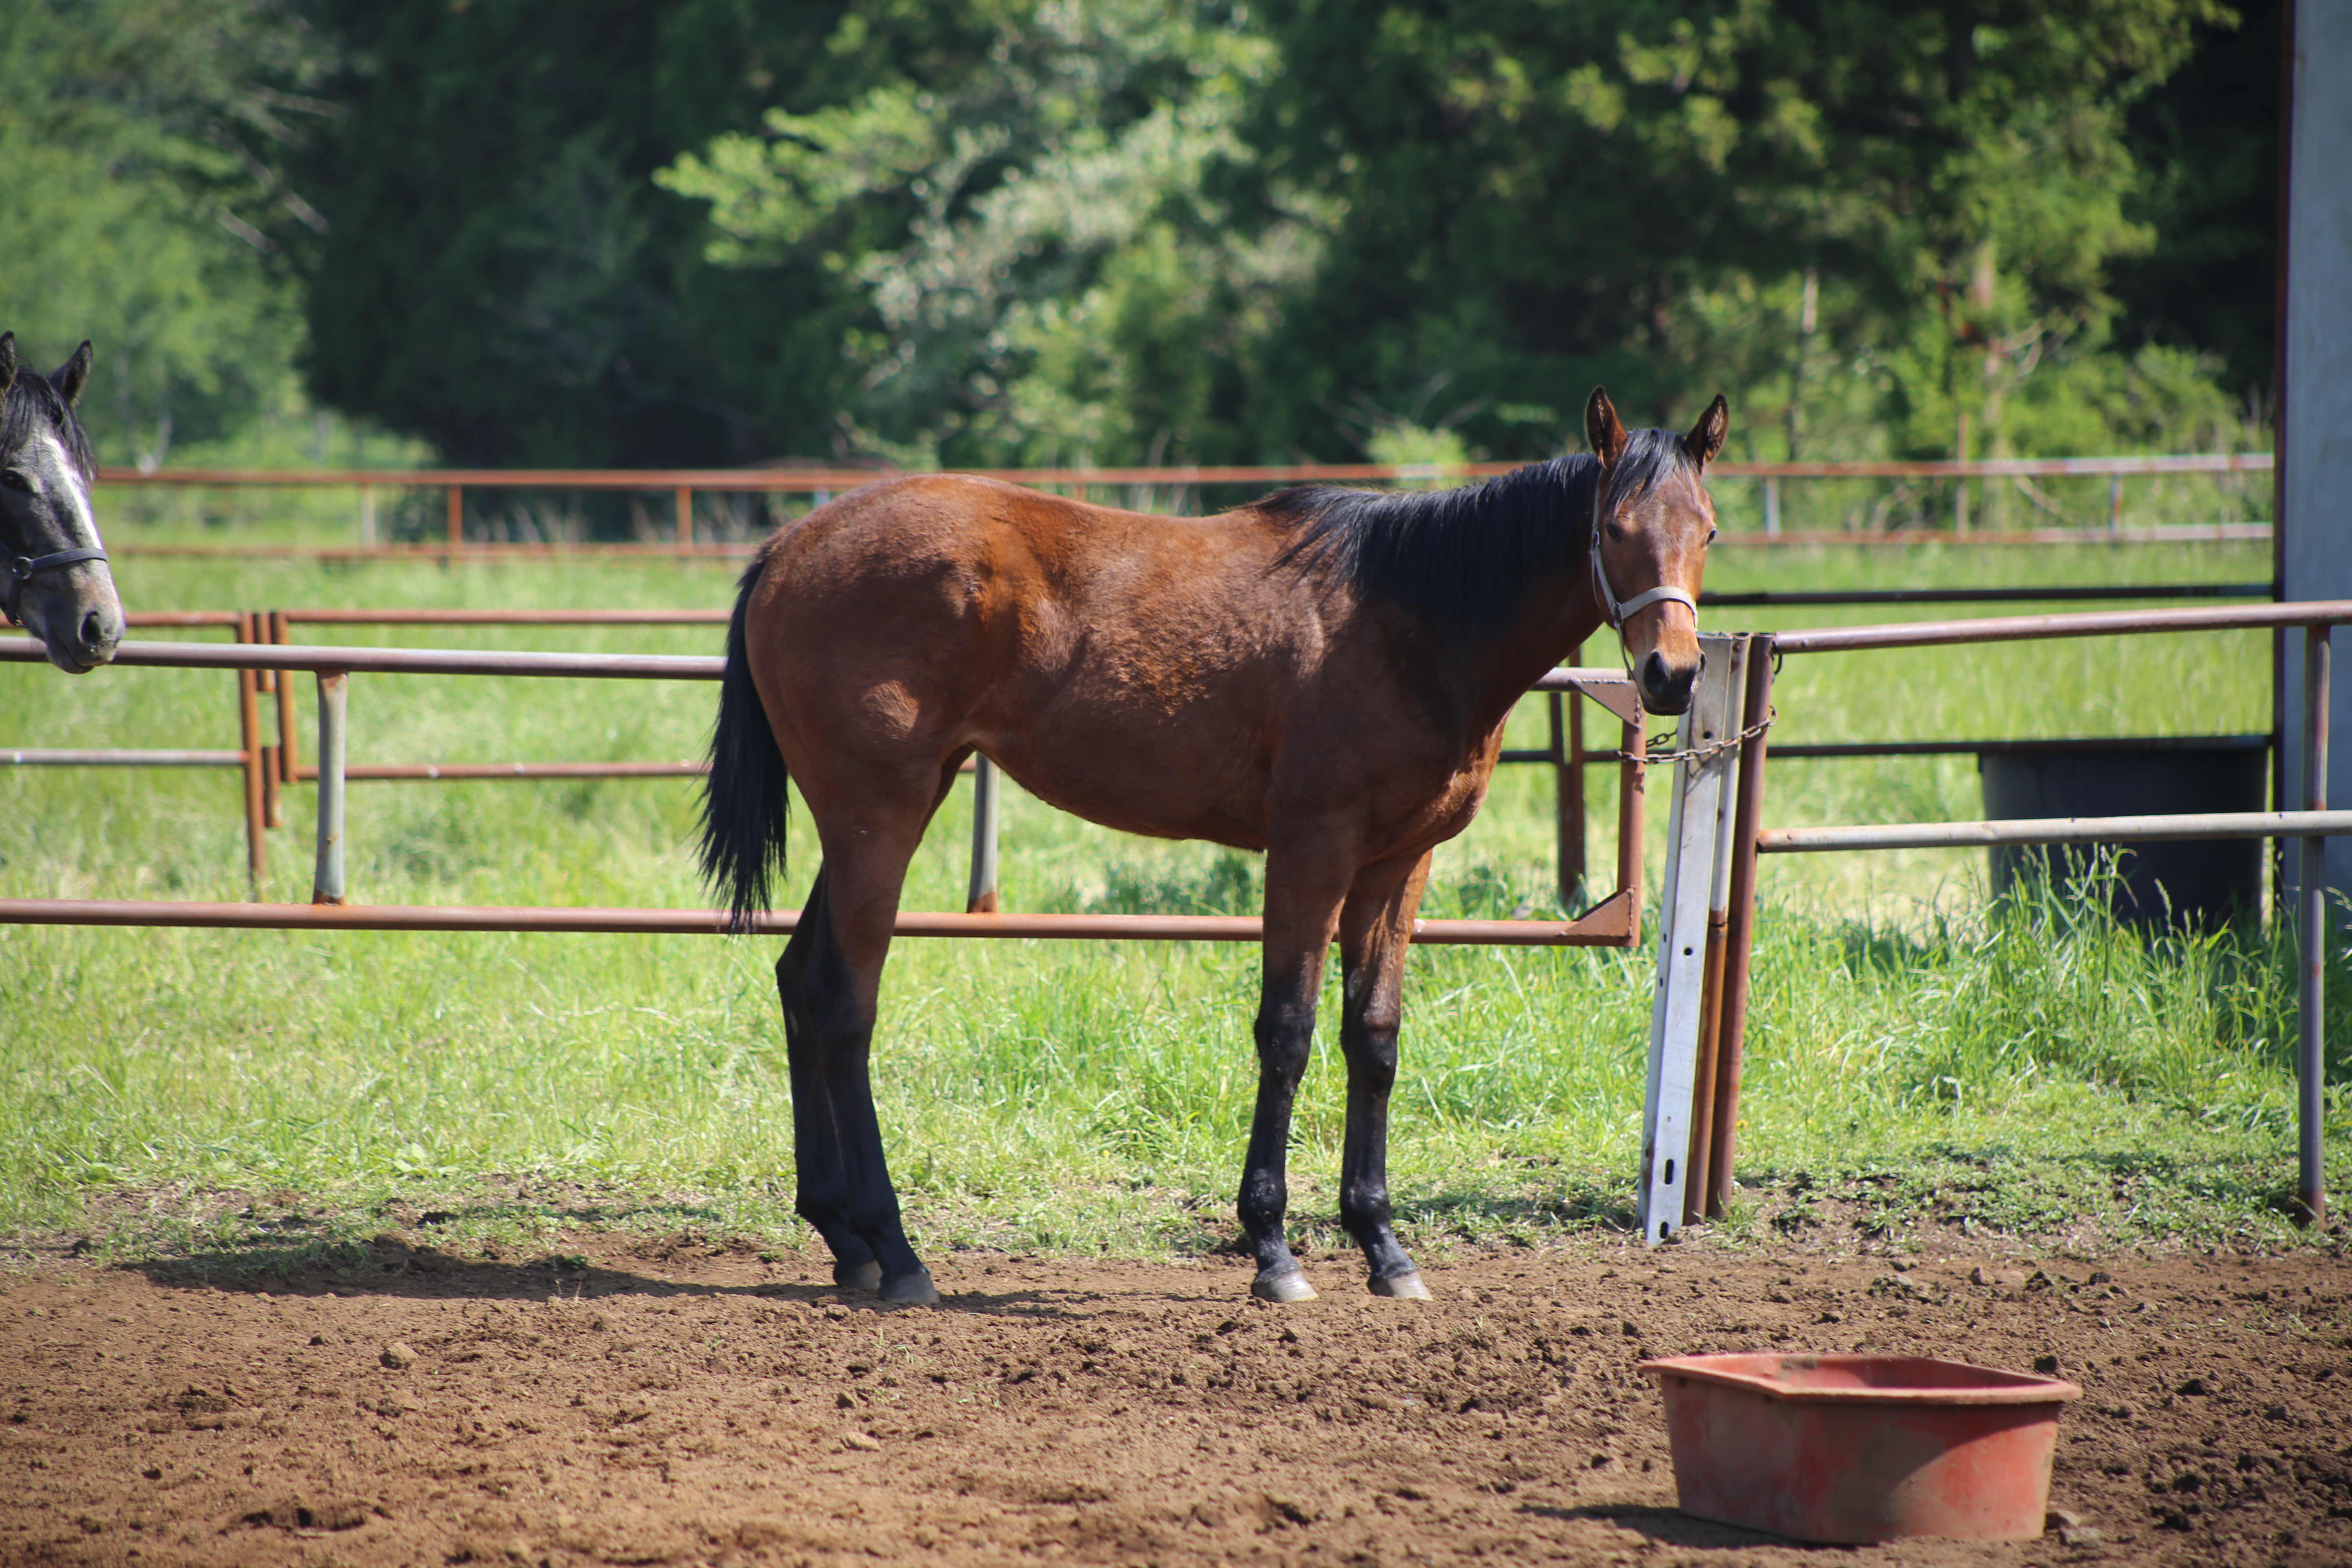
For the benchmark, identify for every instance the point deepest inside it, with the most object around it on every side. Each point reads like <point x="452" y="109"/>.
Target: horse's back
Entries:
<point x="1131" y="668"/>
<point x="949" y="561"/>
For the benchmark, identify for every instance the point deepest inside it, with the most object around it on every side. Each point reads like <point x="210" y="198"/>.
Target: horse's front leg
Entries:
<point x="1299" y="921"/>
<point x="1375" y="929"/>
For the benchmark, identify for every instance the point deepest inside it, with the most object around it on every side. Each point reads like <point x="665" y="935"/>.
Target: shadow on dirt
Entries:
<point x="1670" y="1527"/>
<point x="390" y="1266"/>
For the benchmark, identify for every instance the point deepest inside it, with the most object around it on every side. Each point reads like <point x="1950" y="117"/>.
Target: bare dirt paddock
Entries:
<point x="689" y="1403"/>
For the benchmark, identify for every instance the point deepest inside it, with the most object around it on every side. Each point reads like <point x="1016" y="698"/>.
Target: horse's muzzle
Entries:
<point x="1666" y="684"/>
<point x="78" y="619"/>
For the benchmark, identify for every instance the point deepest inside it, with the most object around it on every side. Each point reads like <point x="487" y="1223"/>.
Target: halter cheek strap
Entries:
<point x="25" y="568"/>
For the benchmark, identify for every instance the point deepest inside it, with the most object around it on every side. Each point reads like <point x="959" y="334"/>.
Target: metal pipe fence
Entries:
<point x="1613" y="922"/>
<point x="272" y="767"/>
<point x="1707" y="904"/>
<point x="1699" y="1024"/>
<point x="1144" y="487"/>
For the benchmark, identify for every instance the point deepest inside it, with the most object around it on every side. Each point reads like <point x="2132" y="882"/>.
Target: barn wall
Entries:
<point x="2315" y="529"/>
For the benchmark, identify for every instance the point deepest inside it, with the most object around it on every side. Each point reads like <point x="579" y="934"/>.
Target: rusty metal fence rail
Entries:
<point x="1614" y="921"/>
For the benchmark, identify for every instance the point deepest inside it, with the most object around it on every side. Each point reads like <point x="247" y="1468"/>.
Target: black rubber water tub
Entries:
<point x="2203" y="884"/>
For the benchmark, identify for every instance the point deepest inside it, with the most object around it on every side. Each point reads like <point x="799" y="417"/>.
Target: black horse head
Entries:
<point x="56" y="583"/>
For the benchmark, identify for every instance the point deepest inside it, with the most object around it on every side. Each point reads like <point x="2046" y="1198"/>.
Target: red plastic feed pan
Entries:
<point x="1853" y="1448"/>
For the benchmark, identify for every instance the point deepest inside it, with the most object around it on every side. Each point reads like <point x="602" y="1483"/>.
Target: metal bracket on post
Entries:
<point x="1698" y="840"/>
<point x="327" y="884"/>
<point x="985" y="814"/>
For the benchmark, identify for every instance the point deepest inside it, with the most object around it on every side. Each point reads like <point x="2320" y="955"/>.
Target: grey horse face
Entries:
<point x="45" y="512"/>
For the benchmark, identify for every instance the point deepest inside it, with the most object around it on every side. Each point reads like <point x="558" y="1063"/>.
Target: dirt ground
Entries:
<point x="685" y="1402"/>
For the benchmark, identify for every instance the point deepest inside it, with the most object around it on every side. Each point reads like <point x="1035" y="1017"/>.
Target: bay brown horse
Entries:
<point x="1322" y="675"/>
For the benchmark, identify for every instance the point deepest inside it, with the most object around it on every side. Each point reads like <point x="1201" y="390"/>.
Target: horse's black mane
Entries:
<point x="32" y="401"/>
<point x="1466" y="557"/>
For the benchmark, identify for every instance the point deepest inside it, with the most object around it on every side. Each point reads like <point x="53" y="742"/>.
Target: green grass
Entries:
<point x="1914" y="1062"/>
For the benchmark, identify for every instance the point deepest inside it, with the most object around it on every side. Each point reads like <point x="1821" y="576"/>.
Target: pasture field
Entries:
<point x="1918" y="1068"/>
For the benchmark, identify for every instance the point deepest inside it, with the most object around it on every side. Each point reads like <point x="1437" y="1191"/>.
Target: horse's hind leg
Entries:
<point x="828" y="981"/>
<point x="821" y="1164"/>
<point x="1375" y="928"/>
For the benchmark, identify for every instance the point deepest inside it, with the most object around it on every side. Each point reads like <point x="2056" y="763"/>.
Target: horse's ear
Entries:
<point x="7" y="361"/>
<point x="1602" y="433"/>
<point x="74" y="375"/>
<point x="1705" y="438"/>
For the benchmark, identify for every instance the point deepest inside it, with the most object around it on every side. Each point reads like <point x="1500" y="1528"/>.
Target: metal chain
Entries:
<point x="1706" y="753"/>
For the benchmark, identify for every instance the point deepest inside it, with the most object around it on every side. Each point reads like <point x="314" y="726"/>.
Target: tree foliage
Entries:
<point x="1536" y="197"/>
<point x="142" y="145"/>
<point x="608" y="233"/>
<point x="1047" y="272"/>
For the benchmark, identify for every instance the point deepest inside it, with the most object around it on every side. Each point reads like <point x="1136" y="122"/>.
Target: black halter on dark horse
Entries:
<point x="1323" y="675"/>
<point x="56" y="583"/>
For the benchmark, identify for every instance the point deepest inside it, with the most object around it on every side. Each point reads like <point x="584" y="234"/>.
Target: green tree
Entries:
<point x="1048" y="268"/>
<point x="501" y="274"/>
<point x="1539" y="196"/>
<point x="140" y="149"/>
<point x="2206" y="142"/>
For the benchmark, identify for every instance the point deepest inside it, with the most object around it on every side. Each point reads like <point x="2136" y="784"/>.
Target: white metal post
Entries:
<point x="1697" y="836"/>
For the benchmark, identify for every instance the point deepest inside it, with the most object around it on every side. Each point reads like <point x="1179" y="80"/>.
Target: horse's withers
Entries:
<point x="54" y="579"/>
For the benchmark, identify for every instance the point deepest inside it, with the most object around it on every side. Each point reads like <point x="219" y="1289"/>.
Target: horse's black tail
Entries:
<point x="744" y="803"/>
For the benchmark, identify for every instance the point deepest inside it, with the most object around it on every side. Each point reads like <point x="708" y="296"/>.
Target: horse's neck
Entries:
<point x="1558" y="618"/>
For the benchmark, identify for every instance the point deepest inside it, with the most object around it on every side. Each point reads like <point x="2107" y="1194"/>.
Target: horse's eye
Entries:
<point x="1710" y="536"/>
<point x="14" y="480"/>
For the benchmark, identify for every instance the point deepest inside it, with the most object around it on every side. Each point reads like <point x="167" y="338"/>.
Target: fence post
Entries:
<point x="685" y="519"/>
<point x="2310" y="1183"/>
<point x="327" y="884"/>
<point x="1740" y="929"/>
<point x="268" y="683"/>
<point x="1567" y="738"/>
<point x="1696" y="1184"/>
<point x="249" y="730"/>
<point x="985" y="812"/>
<point x="287" y="752"/>
<point x="1692" y="835"/>
<point x="457" y="517"/>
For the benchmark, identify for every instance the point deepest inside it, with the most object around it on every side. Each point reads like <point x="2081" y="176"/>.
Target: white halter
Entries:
<point x="1620" y="613"/>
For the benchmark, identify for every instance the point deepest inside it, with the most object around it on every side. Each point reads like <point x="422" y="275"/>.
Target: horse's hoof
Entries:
<point x="914" y="1290"/>
<point x="866" y="1276"/>
<point x="1401" y="1286"/>
<point x="1289" y="1287"/>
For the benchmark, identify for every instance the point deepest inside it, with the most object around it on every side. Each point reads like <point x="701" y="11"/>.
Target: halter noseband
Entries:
<point x="25" y="568"/>
<point x="1620" y="613"/>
